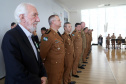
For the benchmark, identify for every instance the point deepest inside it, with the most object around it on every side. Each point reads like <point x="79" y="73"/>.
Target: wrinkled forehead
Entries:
<point x="31" y="9"/>
<point x="57" y="17"/>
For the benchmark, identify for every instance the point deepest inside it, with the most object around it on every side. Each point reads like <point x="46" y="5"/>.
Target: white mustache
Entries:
<point x="35" y="23"/>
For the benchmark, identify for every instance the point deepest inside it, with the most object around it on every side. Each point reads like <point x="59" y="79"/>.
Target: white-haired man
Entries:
<point x="22" y="61"/>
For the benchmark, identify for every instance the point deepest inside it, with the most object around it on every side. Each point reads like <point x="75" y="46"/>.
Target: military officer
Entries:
<point x="113" y="40"/>
<point x="77" y="41"/>
<point x="108" y="41"/>
<point x="86" y="49"/>
<point x="90" y="39"/>
<point x="52" y="51"/>
<point x="83" y="45"/>
<point x="119" y="41"/>
<point x="69" y="54"/>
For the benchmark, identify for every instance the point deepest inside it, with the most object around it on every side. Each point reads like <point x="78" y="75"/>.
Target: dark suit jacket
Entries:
<point x="21" y="64"/>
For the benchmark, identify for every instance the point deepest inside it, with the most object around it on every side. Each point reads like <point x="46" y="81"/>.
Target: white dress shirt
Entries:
<point x="28" y="34"/>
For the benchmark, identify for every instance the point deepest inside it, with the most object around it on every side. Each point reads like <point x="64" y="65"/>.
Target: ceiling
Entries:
<point x="74" y="5"/>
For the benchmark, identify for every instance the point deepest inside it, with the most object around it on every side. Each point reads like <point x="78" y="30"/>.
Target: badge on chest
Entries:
<point x="57" y="42"/>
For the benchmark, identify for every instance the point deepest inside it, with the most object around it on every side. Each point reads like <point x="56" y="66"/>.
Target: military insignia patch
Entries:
<point x="56" y="41"/>
<point x="45" y="39"/>
<point x="73" y="35"/>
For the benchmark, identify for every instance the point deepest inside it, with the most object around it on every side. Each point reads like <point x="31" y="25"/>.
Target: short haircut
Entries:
<point x="82" y="22"/>
<point x="51" y="18"/>
<point x="77" y="24"/>
<point x="65" y="24"/>
<point x="85" y="28"/>
<point x="13" y="23"/>
<point x="43" y="28"/>
<point x="21" y="9"/>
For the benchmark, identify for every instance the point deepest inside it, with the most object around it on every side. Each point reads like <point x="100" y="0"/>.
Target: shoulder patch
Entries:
<point x="73" y="35"/>
<point x="47" y="32"/>
<point x="45" y="38"/>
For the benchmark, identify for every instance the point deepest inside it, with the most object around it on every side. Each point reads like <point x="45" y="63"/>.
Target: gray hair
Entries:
<point x="21" y="9"/>
<point x="51" y="18"/>
<point x="65" y="24"/>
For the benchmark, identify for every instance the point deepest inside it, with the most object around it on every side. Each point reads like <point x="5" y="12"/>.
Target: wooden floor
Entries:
<point x="104" y="67"/>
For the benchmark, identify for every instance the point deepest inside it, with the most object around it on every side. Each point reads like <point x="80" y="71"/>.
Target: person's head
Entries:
<point x="54" y="22"/>
<point x="13" y="25"/>
<point x="26" y="14"/>
<point x="86" y="29"/>
<point x="43" y="30"/>
<point x="108" y="34"/>
<point x="113" y="33"/>
<point x="67" y="27"/>
<point x="119" y="34"/>
<point x="34" y="33"/>
<point x="78" y="26"/>
<point x="82" y="25"/>
<point x="89" y="31"/>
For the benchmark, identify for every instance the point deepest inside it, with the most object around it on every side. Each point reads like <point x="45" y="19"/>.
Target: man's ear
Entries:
<point x="53" y="21"/>
<point x="22" y="17"/>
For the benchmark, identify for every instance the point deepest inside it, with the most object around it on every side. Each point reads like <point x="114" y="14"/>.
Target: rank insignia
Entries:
<point x="56" y="41"/>
<point x="45" y="39"/>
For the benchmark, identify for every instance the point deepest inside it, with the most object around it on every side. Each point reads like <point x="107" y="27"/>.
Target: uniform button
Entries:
<point x="68" y="53"/>
<point x="77" y="47"/>
<point x="56" y="62"/>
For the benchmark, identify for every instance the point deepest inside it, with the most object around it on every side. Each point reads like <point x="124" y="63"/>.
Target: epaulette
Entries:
<point x="48" y="31"/>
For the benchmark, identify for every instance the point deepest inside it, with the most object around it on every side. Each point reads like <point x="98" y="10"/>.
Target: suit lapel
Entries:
<point x="25" y="39"/>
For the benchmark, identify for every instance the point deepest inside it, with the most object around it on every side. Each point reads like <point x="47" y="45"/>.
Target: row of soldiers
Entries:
<point x="113" y="37"/>
<point x="64" y="54"/>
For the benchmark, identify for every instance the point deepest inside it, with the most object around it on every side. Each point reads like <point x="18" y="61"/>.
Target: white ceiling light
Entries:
<point x="103" y="5"/>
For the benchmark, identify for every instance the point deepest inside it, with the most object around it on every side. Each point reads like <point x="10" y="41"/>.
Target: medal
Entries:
<point x="58" y="48"/>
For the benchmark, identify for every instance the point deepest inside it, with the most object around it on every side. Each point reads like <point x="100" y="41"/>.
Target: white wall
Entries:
<point x="45" y="9"/>
<point x="75" y="17"/>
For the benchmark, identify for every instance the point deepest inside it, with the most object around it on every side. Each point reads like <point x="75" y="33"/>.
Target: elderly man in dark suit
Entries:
<point x="22" y="61"/>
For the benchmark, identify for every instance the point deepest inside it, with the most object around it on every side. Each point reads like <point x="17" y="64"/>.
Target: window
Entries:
<point x="105" y="20"/>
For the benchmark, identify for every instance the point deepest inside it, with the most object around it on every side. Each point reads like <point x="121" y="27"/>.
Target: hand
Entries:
<point x="43" y="80"/>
